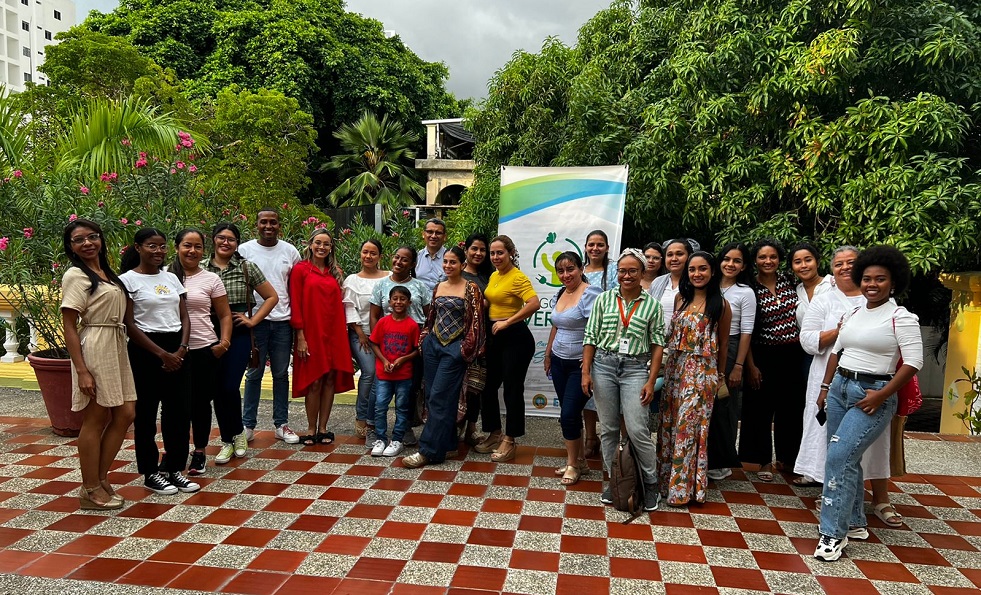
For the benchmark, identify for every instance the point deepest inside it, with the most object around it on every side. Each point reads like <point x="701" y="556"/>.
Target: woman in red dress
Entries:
<point x="322" y="360"/>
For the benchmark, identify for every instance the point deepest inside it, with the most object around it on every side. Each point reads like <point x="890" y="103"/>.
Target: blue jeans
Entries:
<point x="567" y="380"/>
<point x="364" y="407"/>
<point x="275" y="342"/>
<point x="850" y="433"/>
<point x="384" y="389"/>
<point x="617" y="381"/>
<point x="444" y="370"/>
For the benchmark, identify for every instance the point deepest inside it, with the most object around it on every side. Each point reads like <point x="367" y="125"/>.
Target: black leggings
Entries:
<point x="509" y="354"/>
<point x="168" y="392"/>
<point x="777" y="404"/>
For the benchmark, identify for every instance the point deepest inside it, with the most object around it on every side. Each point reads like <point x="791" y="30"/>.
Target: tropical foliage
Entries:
<point x="375" y="165"/>
<point x="848" y="122"/>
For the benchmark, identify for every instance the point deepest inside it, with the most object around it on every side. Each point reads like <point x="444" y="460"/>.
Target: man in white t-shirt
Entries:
<point x="274" y="335"/>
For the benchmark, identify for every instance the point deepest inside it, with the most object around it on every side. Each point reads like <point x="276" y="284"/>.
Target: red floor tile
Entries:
<point x="370" y="511"/>
<point x="395" y="485"/>
<point x="349" y="545"/>
<point x="949" y="542"/>
<point x="430" y="551"/>
<point x="540" y="524"/>
<point x="722" y="538"/>
<point x="528" y="560"/>
<point x="9" y="513"/>
<point x="55" y="565"/>
<point x="502" y="506"/>
<point x="918" y="555"/>
<point x="852" y="586"/>
<point x="203" y="578"/>
<point x="421" y="500"/>
<point x="795" y="515"/>
<point x="251" y="537"/>
<point x="680" y="553"/>
<point x="953" y="591"/>
<point x="290" y="505"/>
<point x="278" y="560"/>
<point x="647" y="570"/>
<point x="478" y="577"/>
<point x="936" y="500"/>
<point x="671" y="589"/>
<point x="308" y="585"/>
<point x="467" y="489"/>
<point x="671" y="519"/>
<point x="540" y="495"/>
<point x="12" y="560"/>
<point x="182" y="552"/>
<point x="154" y="574"/>
<point x="146" y="510"/>
<point x="740" y="578"/>
<point x="264" y="488"/>
<point x="207" y="499"/>
<point x="365" y="470"/>
<point x="593" y="513"/>
<point x="972" y="575"/>
<point x="407" y="589"/>
<point x="163" y="530"/>
<point x="515" y="481"/>
<point x="783" y="562"/>
<point x="639" y="531"/>
<point x="228" y="516"/>
<point x="64" y="504"/>
<point x="377" y="569"/>
<point x="761" y="526"/>
<point x="571" y="544"/>
<point x="885" y="571"/>
<point x="400" y="530"/>
<point x="300" y="466"/>
<point x="343" y="494"/>
<point x="444" y="516"/>
<point x="103" y="570"/>
<point x="253" y="475"/>
<point x="51" y="473"/>
<point x="251" y="582"/>
<point x="743" y="497"/>
<point x="495" y="537"/>
<point x="89" y="545"/>
<point x="362" y="587"/>
<point x="77" y="523"/>
<point x="312" y="522"/>
<point x="971" y="528"/>
<point x="577" y="585"/>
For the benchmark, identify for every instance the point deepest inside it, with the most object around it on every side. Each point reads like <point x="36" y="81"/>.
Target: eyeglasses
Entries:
<point x="155" y="247"/>
<point x="628" y="272"/>
<point x="92" y="237"/>
<point x="433" y="232"/>
<point x="225" y="240"/>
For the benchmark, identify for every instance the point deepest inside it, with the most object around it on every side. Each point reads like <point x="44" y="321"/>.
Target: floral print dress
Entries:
<point x="691" y="379"/>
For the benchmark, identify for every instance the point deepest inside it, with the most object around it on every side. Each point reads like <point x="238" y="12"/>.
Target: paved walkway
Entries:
<point x="330" y="520"/>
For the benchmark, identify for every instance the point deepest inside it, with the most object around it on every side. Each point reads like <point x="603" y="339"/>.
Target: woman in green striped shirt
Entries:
<point x="624" y="333"/>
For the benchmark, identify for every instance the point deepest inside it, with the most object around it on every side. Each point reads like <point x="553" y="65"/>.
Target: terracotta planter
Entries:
<point x="54" y="377"/>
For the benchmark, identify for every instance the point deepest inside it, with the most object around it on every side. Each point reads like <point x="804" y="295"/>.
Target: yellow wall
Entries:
<point x="964" y="343"/>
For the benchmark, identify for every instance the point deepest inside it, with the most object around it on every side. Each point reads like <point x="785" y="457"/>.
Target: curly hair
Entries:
<point x="772" y="243"/>
<point x="508" y="246"/>
<point x="888" y="257"/>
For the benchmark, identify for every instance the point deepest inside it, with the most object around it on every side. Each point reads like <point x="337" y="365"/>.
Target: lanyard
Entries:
<point x="625" y="318"/>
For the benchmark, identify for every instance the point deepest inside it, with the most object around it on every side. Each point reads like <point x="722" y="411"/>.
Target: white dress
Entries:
<point x="824" y="313"/>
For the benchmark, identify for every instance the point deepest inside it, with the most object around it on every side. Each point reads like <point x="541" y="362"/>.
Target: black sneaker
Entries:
<point x="197" y="463"/>
<point x="182" y="483"/>
<point x="607" y="497"/>
<point x="158" y="484"/>
<point x="829" y="549"/>
<point x="651" y="498"/>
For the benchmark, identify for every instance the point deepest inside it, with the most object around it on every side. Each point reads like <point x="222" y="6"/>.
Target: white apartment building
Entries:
<point x="26" y="28"/>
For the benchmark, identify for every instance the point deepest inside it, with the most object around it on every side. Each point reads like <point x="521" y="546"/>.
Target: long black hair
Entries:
<point x="714" y="302"/>
<point x="415" y="258"/>
<point x="485" y="268"/>
<point x="606" y="257"/>
<point x="574" y="259"/>
<point x="103" y="254"/>
<point x="222" y="226"/>
<point x="660" y="250"/>
<point x="131" y="258"/>
<point x="176" y="267"/>
<point x="807" y="247"/>
<point x="744" y="276"/>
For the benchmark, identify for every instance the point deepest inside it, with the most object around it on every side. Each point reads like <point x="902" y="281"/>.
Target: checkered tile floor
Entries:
<point x="330" y="520"/>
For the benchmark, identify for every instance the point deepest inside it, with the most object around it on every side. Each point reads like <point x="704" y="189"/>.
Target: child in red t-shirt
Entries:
<point x="395" y="341"/>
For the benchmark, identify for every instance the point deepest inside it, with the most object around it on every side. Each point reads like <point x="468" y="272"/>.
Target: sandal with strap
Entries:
<point x="361" y="427"/>
<point x="505" y="452"/>
<point x="888" y="514"/>
<point x="571" y="476"/>
<point x="489" y="444"/>
<point x="324" y="438"/>
<point x="583" y="468"/>
<point x="86" y="502"/>
<point x="765" y="473"/>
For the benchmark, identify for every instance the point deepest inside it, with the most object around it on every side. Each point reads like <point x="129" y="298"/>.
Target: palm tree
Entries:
<point x="374" y="167"/>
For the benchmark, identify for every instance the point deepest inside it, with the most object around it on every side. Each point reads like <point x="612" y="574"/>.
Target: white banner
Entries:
<point x="547" y="211"/>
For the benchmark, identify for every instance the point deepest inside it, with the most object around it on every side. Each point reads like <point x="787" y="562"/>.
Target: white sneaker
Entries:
<point x="249" y="434"/>
<point x="225" y="454"/>
<point x="377" y="448"/>
<point x="241" y="443"/>
<point x="719" y="474"/>
<point x="829" y="549"/>
<point x="393" y="449"/>
<point x="287" y="435"/>
<point x="858" y="533"/>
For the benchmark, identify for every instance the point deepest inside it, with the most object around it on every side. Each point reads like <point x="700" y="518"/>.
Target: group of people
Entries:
<point x="707" y="341"/>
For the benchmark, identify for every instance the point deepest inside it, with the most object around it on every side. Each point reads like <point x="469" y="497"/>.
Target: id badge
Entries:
<point x="624" y="347"/>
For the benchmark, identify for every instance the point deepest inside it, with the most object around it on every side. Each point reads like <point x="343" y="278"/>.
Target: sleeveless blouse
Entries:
<point x="449" y="324"/>
<point x="691" y="332"/>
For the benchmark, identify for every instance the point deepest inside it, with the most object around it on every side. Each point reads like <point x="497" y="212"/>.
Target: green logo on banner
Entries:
<point x="545" y="256"/>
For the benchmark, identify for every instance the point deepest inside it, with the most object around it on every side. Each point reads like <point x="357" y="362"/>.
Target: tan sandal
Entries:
<point x="86" y="502"/>
<point x="583" y="468"/>
<point x="490" y="444"/>
<point x="505" y="452"/>
<point x="571" y="476"/>
<point x="766" y="473"/>
<point x="361" y="427"/>
<point x="888" y="514"/>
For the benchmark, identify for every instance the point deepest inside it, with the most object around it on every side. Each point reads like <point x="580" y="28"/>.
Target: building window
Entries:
<point x="27" y="77"/>
<point x="25" y="25"/>
<point x="47" y="35"/>
<point x="25" y="2"/>
<point x="27" y="52"/>
<point x="57" y="15"/>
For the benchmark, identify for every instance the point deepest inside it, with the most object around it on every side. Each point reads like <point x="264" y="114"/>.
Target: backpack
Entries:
<point x="626" y="481"/>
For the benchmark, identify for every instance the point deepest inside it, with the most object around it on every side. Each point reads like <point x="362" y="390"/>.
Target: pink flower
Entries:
<point x="18" y="173"/>
<point x="125" y="142"/>
<point x="405" y="213"/>
<point x="4" y="242"/>
<point x="203" y="222"/>
<point x="320" y="226"/>
<point x="192" y="169"/>
<point x="142" y="155"/>
<point x="138" y="222"/>
<point x="180" y="165"/>
<point x="72" y="217"/>
<point x="242" y="217"/>
<point x="395" y="234"/>
<point x="225" y="212"/>
<point x="28" y="233"/>
<point x="83" y="190"/>
<point x="173" y="171"/>
<point x="124" y="220"/>
<point x="141" y="162"/>
<point x="101" y="204"/>
<point x="54" y="265"/>
<point x="285" y="205"/>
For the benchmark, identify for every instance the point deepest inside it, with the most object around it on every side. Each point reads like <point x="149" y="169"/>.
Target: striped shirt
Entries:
<point x="605" y="327"/>
<point x="776" y="313"/>
<point x="233" y="277"/>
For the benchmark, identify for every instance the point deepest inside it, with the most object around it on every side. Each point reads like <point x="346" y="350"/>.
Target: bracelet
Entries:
<point x="224" y="343"/>
<point x="737" y="364"/>
<point x="823" y="390"/>
<point x="825" y="386"/>
<point x="185" y="345"/>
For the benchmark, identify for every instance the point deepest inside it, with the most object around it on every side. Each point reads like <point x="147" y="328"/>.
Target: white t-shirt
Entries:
<point x="201" y="288"/>
<point x="826" y="284"/>
<point x="667" y="306"/>
<point x="873" y="346"/>
<point x="742" y="301"/>
<point x="275" y="262"/>
<point x="357" y="299"/>
<point x="156" y="301"/>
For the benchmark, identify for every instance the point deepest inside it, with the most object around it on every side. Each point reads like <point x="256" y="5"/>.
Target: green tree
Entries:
<point x="263" y="142"/>
<point x="842" y="121"/>
<point x="375" y="165"/>
<point x="91" y="64"/>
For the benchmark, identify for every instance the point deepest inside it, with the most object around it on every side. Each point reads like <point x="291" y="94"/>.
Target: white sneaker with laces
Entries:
<point x="225" y="454"/>
<point x="241" y="443"/>
<point x="393" y="449"/>
<point x="249" y="434"/>
<point x="829" y="549"/>
<point x="377" y="448"/>
<point x="858" y="533"/>
<point x="287" y="435"/>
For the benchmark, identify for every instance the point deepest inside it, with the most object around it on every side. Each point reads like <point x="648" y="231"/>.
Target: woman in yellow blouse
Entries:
<point x="510" y="346"/>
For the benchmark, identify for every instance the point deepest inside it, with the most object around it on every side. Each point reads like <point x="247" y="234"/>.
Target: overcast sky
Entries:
<point x="473" y="38"/>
